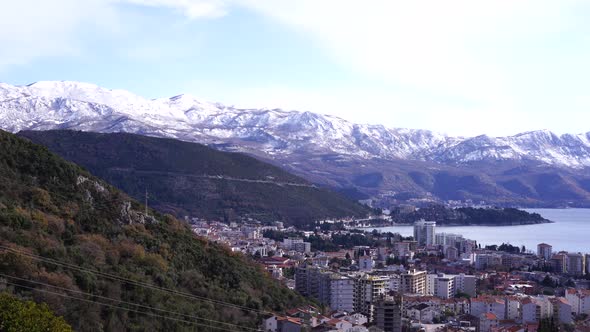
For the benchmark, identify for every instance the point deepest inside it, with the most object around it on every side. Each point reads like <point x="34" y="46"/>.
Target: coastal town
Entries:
<point x="365" y="280"/>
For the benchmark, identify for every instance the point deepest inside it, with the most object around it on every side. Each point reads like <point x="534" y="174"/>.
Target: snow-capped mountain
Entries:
<point x="273" y="132"/>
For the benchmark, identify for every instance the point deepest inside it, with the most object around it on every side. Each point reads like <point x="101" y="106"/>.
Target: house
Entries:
<point x="290" y="324"/>
<point x="282" y="324"/>
<point x="487" y="322"/>
<point x="422" y="312"/>
<point x="491" y="304"/>
<point x="338" y="324"/>
<point x="356" y="319"/>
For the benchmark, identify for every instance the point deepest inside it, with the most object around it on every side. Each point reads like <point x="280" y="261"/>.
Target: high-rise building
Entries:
<point x="559" y="262"/>
<point x="448" y="239"/>
<point x="544" y="251"/>
<point x="424" y="232"/>
<point x="308" y="280"/>
<point x="575" y="264"/>
<point x="330" y="288"/>
<point x="445" y="287"/>
<point x="341" y="293"/>
<point x="388" y="313"/>
<point x="413" y="282"/>
<point x="369" y="288"/>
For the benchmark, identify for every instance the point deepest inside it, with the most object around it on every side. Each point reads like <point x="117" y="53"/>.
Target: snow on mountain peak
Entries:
<point x="76" y="105"/>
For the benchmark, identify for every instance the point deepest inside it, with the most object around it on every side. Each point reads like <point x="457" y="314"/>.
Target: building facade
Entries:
<point x="424" y="232"/>
<point x="544" y="251"/>
<point x="413" y="282"/>
<point x="388" y="313"/>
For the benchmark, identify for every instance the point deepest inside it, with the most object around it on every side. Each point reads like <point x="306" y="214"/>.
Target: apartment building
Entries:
<point x="413" y="282"/>
<point x="388" y="313"/>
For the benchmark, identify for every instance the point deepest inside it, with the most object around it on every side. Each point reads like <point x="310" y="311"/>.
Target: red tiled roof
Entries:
<point x="490" y="316"/>
<point x="333" y="322"/>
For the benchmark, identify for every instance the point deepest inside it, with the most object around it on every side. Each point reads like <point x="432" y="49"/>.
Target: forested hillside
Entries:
<point x="65" y="234"/>
<point x="469" y="216"/>
<point x="191" y="179"/>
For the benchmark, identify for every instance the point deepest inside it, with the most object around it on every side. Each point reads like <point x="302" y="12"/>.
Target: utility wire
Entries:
<point x="133" y="282"/>
<point x="117" y="307"/>
<point x="125" y="302"/>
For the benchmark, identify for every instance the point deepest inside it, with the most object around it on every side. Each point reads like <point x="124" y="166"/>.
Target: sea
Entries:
<point x="570" y="231"/>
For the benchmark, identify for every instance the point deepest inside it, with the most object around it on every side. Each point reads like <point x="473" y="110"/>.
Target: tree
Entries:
<point x="26" y="316"/>
<point x="461" y="294"/>
<point x="548" y="282"/>
<point x="257" y="254"/>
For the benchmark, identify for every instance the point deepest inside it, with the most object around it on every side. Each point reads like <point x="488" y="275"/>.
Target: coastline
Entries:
<point x="546" y="221"/>
<point x="567" y="230"/>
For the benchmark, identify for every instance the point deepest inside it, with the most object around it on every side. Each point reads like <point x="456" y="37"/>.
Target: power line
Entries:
<point x="124" y="302"/>
<point x="115" y="306"/>
<point x="133" y="282"/>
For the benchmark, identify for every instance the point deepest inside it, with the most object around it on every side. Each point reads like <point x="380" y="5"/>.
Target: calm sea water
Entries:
<point x="571" y="231"/>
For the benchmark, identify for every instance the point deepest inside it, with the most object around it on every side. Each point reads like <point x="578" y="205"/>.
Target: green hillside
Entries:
<point x="191" y="179"/>
<point x="469" y="216"/>
<point x="52" y="208"/>
<point x="27" y="316"/>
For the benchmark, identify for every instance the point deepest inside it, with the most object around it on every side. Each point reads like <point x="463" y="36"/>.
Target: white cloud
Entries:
<point x="190" y="8"/>
<point x="32" y="29"/>
<point x="478" y="66"/>
<point x="443" y="46"/>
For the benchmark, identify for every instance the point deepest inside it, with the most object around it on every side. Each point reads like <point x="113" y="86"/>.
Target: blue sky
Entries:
<point x="461" y="67"/>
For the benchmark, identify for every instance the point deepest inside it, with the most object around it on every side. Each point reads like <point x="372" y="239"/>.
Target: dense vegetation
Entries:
<point x="54" y="209"/>
<point x="337" y="241"/>
<point x="27" y="316"/>
<point x="182" y="178"/>
<point x="469" y="216"/>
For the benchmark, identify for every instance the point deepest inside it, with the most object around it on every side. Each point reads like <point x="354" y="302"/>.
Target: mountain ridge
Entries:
<point x="190" y="179"/>
<point x="274" y="130"/>
<point x="326" y="149"/>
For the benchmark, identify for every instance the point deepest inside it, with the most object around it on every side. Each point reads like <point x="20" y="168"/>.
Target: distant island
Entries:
<point x="468" y="216"/>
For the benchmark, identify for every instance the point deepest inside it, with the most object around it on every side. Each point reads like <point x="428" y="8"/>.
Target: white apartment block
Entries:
<point x="494" y="305"/>
<point x="579" y="300"/>
<point x="512" y="304"/>
<point x="445" y="286"/>
<point x="413" y="282"/>
<point x="544" y="251"/>
<point x="341" y="293"/>
<point x="424" y="232"/>
<point x="536" y="308"/>
<point x="562" y="310"/>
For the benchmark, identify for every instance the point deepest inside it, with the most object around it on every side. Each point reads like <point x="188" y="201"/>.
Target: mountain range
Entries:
<point x="536" y="168"/>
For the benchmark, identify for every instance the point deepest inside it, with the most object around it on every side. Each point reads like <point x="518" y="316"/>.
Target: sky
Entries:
<point x="460" y="67"/>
